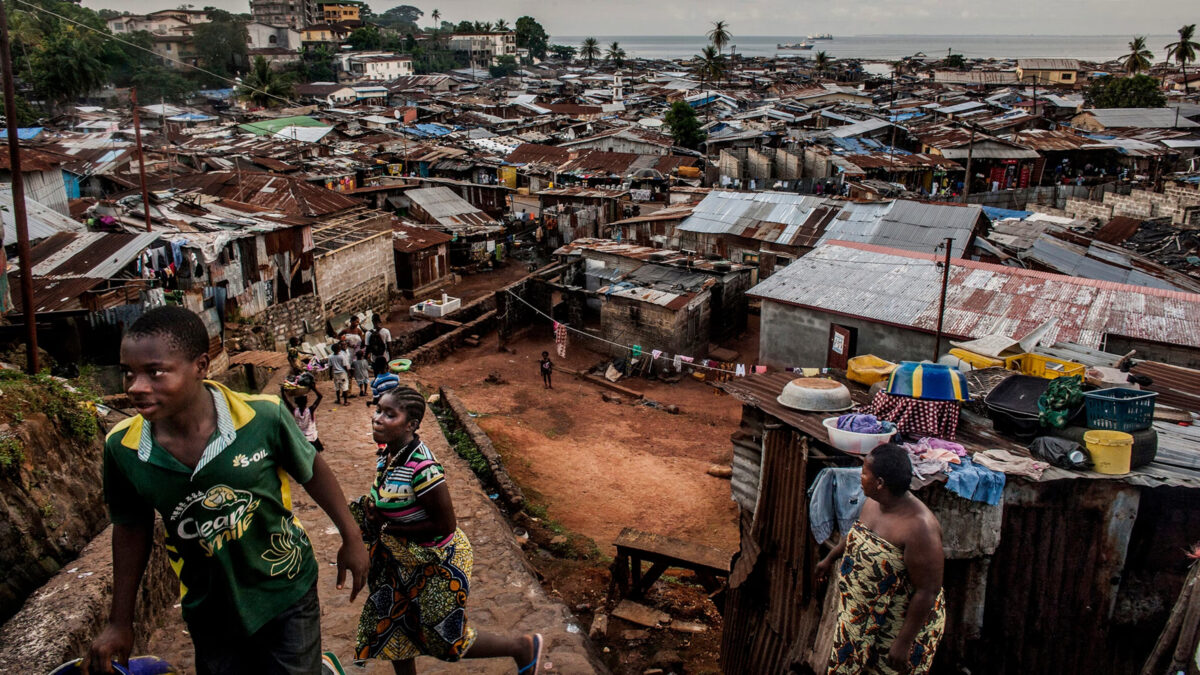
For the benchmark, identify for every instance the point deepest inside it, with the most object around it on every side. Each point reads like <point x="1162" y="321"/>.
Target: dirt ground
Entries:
<point x="469" y="288"/>
<point x="590" y="468"/>
<point x="599" y="467"/>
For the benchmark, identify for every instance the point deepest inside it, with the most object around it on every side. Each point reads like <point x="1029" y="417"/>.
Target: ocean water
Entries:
<point x="887" y="47"/>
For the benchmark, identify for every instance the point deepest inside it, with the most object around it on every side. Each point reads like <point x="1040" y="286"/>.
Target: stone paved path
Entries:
<point x="505" y="595"/>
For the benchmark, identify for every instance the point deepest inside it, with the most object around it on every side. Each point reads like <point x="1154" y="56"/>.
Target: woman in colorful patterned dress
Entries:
<point x="421" y="562"/>
<point x="891" y="610"/>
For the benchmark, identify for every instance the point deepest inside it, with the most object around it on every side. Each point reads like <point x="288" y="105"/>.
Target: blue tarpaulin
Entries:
<point x="1003" y="214"/>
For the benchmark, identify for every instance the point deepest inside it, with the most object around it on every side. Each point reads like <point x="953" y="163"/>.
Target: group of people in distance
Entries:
<point x="215" y="465"/>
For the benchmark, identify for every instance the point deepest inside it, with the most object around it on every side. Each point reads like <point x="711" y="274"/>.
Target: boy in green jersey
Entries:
<point x="215" y="465"/>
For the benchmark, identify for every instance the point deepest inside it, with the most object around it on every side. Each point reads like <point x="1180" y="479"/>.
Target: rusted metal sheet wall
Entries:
<point x="771" y="611"/>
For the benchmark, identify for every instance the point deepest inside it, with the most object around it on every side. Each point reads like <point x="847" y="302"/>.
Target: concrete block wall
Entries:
<point x="370" y="294"/>
<point x="759" y="165"/>
<point x="286" y="319"/>
<point x="357" y="277"/>
<point x="655" y="327"/>
<point x="1131" y="206"/>
<point x="1082" y="208"/>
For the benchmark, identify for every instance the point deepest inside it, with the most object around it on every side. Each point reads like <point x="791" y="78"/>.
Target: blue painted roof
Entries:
<point x="24" y="133"/>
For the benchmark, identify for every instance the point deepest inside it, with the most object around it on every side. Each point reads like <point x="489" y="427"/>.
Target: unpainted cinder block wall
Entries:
<point x="357" y="277"/>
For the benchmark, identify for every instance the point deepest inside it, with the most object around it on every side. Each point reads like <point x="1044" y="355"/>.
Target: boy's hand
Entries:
<point x="352" y="556"/>
<point x="114" y="644"/>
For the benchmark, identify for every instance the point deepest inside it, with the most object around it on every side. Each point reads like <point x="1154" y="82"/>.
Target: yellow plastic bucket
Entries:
<point x="1110" y="450"/>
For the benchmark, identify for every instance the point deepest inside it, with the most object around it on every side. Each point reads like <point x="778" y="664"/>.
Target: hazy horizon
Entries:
<point x="763" y="18"/>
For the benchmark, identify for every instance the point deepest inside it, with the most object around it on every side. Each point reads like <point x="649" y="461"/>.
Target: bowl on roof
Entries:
<point x="815" y="394"/>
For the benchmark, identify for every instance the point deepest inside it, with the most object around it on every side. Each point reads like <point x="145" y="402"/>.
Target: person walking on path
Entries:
<point x="362" y="371"/>
<point x="420" y="572"/>
<point x="215" y="465"/>
<point x="891" y="608"/>
<point x="546" y="366"/>
<point x="305" y="415"/>
<point x="339" y="368"/>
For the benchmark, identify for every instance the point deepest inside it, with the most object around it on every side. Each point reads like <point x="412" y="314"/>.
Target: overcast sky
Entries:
<point x="796" y="17"/>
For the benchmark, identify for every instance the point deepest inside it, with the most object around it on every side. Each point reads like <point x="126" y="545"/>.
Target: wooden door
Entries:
<point x="841" y="346"/>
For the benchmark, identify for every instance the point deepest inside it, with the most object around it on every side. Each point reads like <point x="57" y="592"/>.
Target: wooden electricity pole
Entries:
<point x="137" y="136"/>
<point x="937" y="344"/>
<point x="18" y="198"/>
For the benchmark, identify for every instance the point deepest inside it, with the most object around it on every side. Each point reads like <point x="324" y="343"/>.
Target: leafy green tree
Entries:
<point x="531" y="36"/>
<point x="955" y="61"/>
<point x="403" y="17"/>
<point x="465" y="27"/>
<point x="501" y="26"/>
<point x="264" y="87"/>
<point x="719" y="36"/>
<point x="821" y="61"/>
<point x="318" y="64"/>
<point x="1138" y="58"/>
<point x="563" y="52"/>
<point x="1184" y="51"/>
<point x="69" y="65"/>
<point x="366" y="37"/>
<point x="685" y="128"/>
<point x="160" y="83"/>
<point x="1135" y="91"/>
<point x="106" y="14"/>
<point x="221" y="44"/>
<point x="615" y="54"/>
<point x="710" y="65"/>
<point x="27" y="116"/>
<point x="590" y="50"/>
<point x="505" y="66"/>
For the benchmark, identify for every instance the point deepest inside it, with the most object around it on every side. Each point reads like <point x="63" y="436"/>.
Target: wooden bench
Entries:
<point x="635" y="546"/>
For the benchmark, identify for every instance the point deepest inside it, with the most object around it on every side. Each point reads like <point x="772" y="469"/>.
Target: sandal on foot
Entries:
<point x="534" y="666"/>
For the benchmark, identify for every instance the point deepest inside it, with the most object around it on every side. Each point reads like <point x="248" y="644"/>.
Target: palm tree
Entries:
<point x="616" y="54"/>
<point x="590" y="50"/>
<point x="822" y="61"/>
<point x="1138" y="58"/>
<point x="710" y="65"/>
<point x="501" y="26"/>
<point x="436" y="15"/>
<point x="719" y="35"/>
<point x="264" y="87"/>
<point x="1184" y="51"/>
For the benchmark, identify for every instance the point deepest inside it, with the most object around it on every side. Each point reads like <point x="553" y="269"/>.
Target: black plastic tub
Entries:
<point x="1013" y="406"/>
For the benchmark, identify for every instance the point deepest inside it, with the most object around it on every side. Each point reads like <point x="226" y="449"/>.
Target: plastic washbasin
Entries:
<point x="854" y="442"/>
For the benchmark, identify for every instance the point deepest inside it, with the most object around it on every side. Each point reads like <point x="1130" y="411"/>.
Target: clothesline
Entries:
<point x="615" y="344"/>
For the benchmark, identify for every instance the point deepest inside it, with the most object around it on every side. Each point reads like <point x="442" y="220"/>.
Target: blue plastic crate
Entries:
<point x="1119" y="409"/>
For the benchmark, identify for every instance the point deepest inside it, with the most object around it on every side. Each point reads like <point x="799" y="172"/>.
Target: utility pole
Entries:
<point x="137" y="136"/>
<point x="18" y="198"/>
<point x="970" y="152"/>
<point x="937" y="344"/>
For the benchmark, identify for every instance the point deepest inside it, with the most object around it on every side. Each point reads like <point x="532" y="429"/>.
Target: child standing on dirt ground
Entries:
<point x="361" y="371"/>
<point x="305" y="416"/>
<point x="385" y="380"/>
<point x="339" y="367"/>
<point x="215" y="465"/>
<point x="547" y="367"/>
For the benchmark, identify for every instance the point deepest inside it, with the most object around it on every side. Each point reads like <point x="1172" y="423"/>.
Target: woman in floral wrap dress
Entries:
<point x="420" y="572"/>
<point x="891" y="609"/>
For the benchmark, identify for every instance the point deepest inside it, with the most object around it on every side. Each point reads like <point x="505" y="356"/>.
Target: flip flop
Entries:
<point x="534" y="666"/>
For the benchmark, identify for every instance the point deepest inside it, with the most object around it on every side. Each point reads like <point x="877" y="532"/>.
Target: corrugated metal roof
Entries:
<point x="1048" y="64"/>
<point x="902" y="288"/>
<point x="43" y="221"/>
<point x="449" y="210"/>
<point x="1140" y="118"/>
<point x="97" y="255"/>
<point x="800" y="220"/>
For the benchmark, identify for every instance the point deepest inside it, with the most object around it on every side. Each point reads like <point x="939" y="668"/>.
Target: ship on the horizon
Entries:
<point x="821" y="36"/>
<point x="793" y="46"/>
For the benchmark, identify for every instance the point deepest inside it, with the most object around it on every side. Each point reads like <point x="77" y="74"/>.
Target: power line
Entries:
<point x="185" y="64"/>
